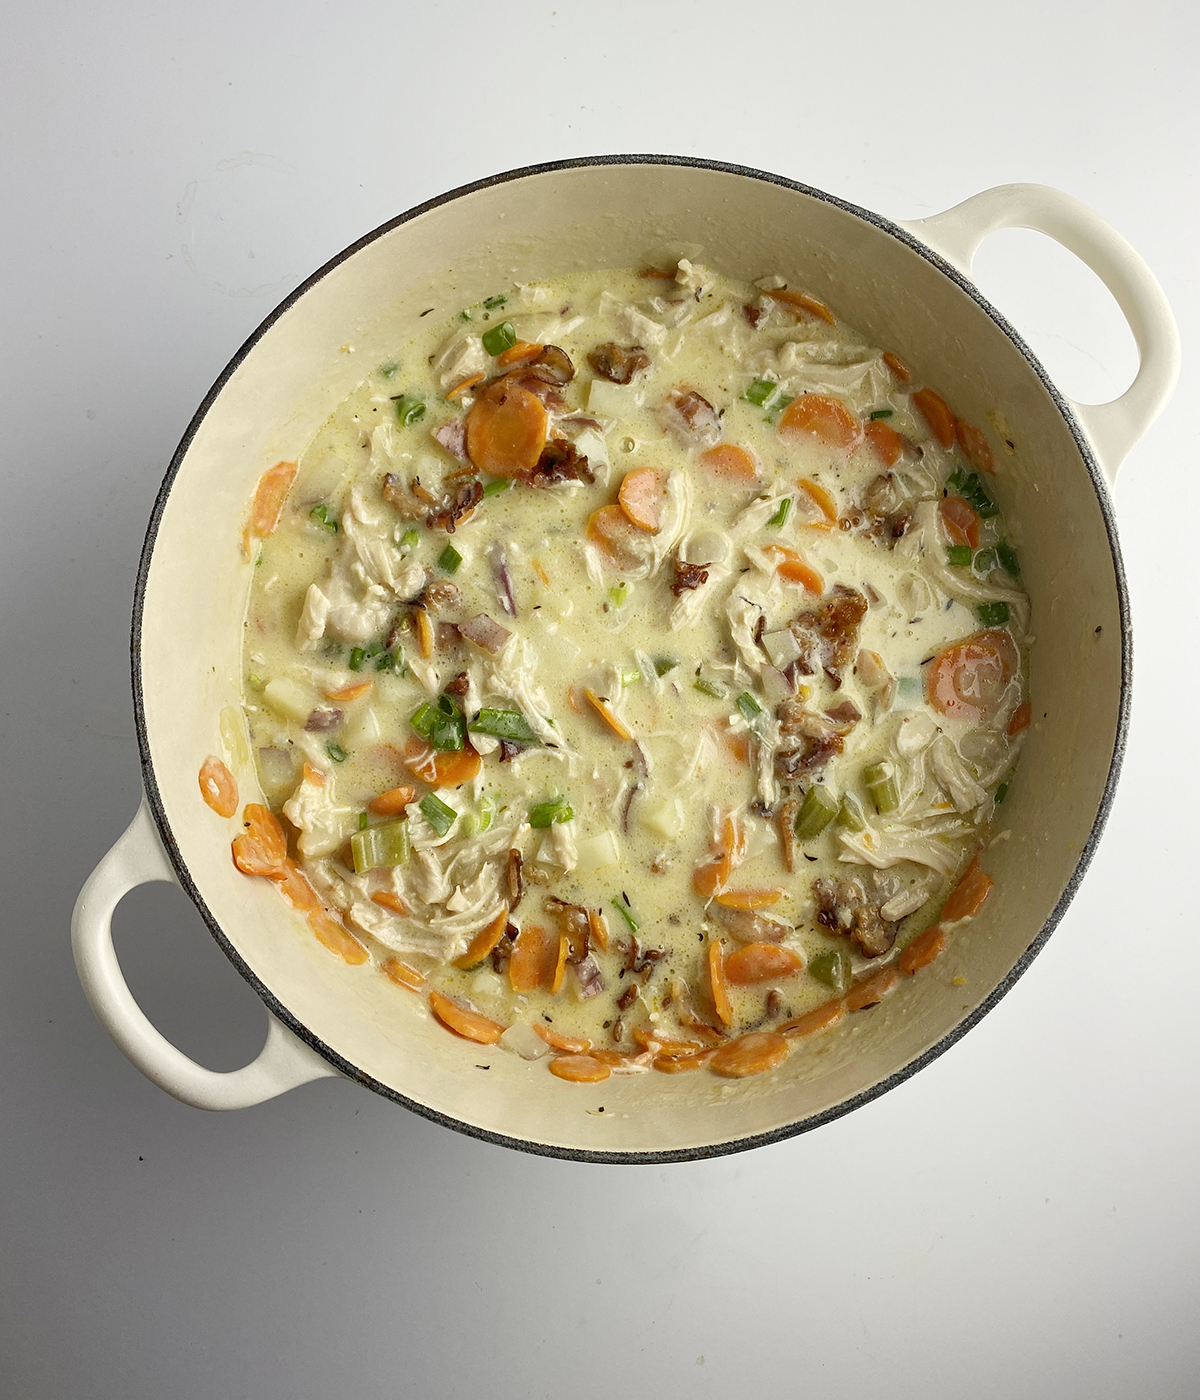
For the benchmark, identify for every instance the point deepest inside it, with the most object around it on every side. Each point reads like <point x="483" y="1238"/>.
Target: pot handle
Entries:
<point x="1114" y="427"/>
<point x="284" y="1062"/>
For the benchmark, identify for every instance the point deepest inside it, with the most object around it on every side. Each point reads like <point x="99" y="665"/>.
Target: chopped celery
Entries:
<point x="781" y="512"/>
<point x="880" y="781"/>
<point x="336" y="752"/>
<point x="499" y="486"/>
<point x="832" y="968"/>
<point x="449" y="560"/>
<point x="409" y="409"/>
<point x="493" y="302"/>
<point x="850" y="813"/>
<point x="631" y="919"/>
<point x="816" y="812"/>
<point x="393" y="662"/>
<point x="618" y="593"/>
<point x="546" y="814"/>
<point x="1008" y="559"/>
<point x="411" y="538"/>
<point x="320" y="514"/>
<point x="707" y="687"/>
<point x="255" y="681"/>
<point x="500" y="338"/>
<point x="437" y="814"/>
<point x="761" y="392"/>
<point x="504" y="724"/>
<point x="389" y="369"/>
<point x="464" y="315"/>
<point x="663" y="664"/>
<point x="480" y="819"/>
<point x="749" y="708"/>
<point x="380" y="845"/>
<point x="958" y="554"/>
<point x="984" y="561"/>
<point x="992" y="614"/>
<point x="878" y="413"/>
<point x="364" y="821"/>
<point x="630" y="677"/>
<point x="357" y="657"/>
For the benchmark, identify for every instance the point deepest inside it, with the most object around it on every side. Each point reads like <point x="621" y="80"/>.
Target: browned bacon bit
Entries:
<point x="618" y="363"/>
<point x="774" y="1003"/>
<point x="787" y="832"/>
<point x="397" y="495"/>
<point x="322" y="720"/>
<point x="628" y="997"/>
<point x="632" y="951"/>
<point x="422" y="492"/>
<point x="747" y="926"/>
<point x="807" y="740"/>
<point x="453" y="437"/>
<point x="552" y="366"/>
<point x="459" y="685"/>
<point x="460" y="506"/>
<point x="577" y="422"/>
<point x="843" y="908"/>
<point x="510" y="750"/>
<point x="692" y="419"/>
<point x="560" y="462"/>
<point x="752" y="313"/>
<point x="440" y="596"/>
<point x="688" y="576"/>
<point x="833" y="625"/>
<point x="573" y="921"/>
<point x="512" y="878"/>
<point x="872" y="932"/>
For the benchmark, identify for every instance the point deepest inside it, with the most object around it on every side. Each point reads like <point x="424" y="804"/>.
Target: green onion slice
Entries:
<point x="336" y="752"/>
<point x="663" y="664"/>
<point x="449" y="560"/>
<point x="992" y="614"/>
<point x="878" y="413"/>
<point x="493" y="302"/>
<point x="781" y="512"/>
<point x="504" y="724"/>
<point x="410" y="409"/>
<point x="1008" y="559"/>
<point x="707" y="687"/>
<point x="816" y="812"/>
<point x="437" y="814"/>
<point x="751" y="711"/>
<point x="631" y="919"/>
<point x="832" y="968"/>
<point x="500" y="338"/>
<point x="498" y="487"/>
<point x="320" y="514"/>
<point x="546" y="814"/>
<point x="959" y="555"/>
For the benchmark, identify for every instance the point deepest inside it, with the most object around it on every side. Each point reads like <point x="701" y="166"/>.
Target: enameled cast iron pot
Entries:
<point x="905" y="286"/>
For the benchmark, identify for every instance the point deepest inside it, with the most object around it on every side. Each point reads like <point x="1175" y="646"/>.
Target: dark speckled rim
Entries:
<point x="276" y="1007"/>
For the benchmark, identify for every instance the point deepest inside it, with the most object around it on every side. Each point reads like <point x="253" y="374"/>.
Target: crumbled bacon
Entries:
<point x="807" y="740"/>
<point x="752" y="313"/>
<point x="688" y="576"/>
<point x="397" y="494"/>
<point x="440" y="595"/>
<point x="560" y="461"/>
<point x="830" y="628"/>
<point x="618" y="363"/>
<point x="692" y="419"/>
<point x="459" y="685"/>
<point x="552" y="366"/>
<point x="843" y="908"/>
<point x="512" y="879"/>
<point x="459" y="507"/>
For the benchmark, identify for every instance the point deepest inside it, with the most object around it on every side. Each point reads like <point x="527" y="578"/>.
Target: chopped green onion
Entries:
<point x="992" y="614"/>
<point x="880" y="781"/>
<point x="751" y="711"/>
<point x="781" y="512"/>
<point x="816" y="812"/>
<point x="394" y="662"/>
<point x="618" y="593"/>
<point x="630" y="677"/>
<point x="357" y="657"/>
<point x="546" y="814"/>
<point x="411" y="538"/>
<point x="410" y="409"/>
<point x="480" y="819"/>
<point x="504" y="724"/>
<point x="389" y="369"/>
<point x="498" y="487"/>
<point x="984" y="561"/>
<point x="380" y="845"/>
<point x="464" y="315"/>
<point x="1001" y="793"/>
<point x="878" y="413"/>
<point x="958" y="554"/>
<point x="707" y="687"/>
<point x="633" y="923"/>
<point x="321" y="515"/>
<point x="255" y="681"/>
<point x="832" y="968"/>
<point x="336" y="752"/>
<point x="969" y="486"/>
<point x="777" y="405"/>
<point x="500" y="338"/>
<point x="1008" y="559"/>
<point x="437" y="814"/>
<point x="441" y="723"/>
<point x="850" y="813"/>
<point x="493" y="302"/>
<point x="364" y="821"/>
<point x="761" y="392"/>
<point x="449" y="560"/>
<point x="663" y="664"/>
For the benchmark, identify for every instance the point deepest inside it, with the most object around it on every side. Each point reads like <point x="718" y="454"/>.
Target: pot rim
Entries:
<point x="897" y="1077"/>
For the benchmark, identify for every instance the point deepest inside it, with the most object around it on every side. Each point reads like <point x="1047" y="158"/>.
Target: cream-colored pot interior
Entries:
<point x="195" y="582"/>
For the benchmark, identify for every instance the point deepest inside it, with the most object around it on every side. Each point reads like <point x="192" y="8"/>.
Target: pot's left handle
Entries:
<point x="284" y="1062"/>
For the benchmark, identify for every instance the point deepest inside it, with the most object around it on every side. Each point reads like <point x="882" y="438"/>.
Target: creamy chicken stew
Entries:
<point x="634" y="665"/>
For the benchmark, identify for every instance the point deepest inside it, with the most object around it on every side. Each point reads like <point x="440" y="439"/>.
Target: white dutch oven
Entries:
<point x="905" y="286"/>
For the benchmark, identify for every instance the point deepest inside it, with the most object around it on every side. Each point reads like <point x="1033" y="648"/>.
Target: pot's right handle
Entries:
<point x="1114" y="427"/>
<point x="284" y="1061"/>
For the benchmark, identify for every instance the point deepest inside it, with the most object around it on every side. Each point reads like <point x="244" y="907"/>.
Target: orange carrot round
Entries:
<point x="792" y="568"/>
<point x="484" y="941"/>
<point x="531" y="963"/>
<point x="967" y="898"/>
<point x="716" y="979"/>
<point x="822" y="417"/>
<point x="568" y="1044"/>
<point x="801" y="301"/>
<point x="615" y="536"/>
<point x="519" y="354"/>
<point x="262" y="847"/>
<point x="471" y="1025"/>
<point x="823" y="501"/>
<point x="1021" y="720"/>
<point x="641" y="497"/>
<point x="402" y="974"/>
<point x="760" y="962"/>
<point x="269" y="496"/>
<point x="393" y="802"/>
<point x="976" y="448"/>
<point x="218" y="787"/>
<point x="968" y="679"/>
<point x="579" y="1069"/>
<point x="749" y="899"/>
<point x="730" y="463"/>
<point x="961" y="522"/>
<point x="750" y="1054"/>
<point x="937" y="413"/>
<point x="871" y="991"/>
<point x="922" y="950"/>
<point x="334" y="935"/>
<point x="681" y="1064"/>
<point x="828" y="1014"/>
<point x="885" y="440"/>
<point x="897" y="366"/>
<point x="388" y="899"/>
<point x="441" y="768"/>
<point x="506" y="430"/>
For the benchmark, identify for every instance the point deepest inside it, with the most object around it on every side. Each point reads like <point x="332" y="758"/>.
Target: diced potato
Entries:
<point x="610" y="400"/>
<point x="781" y="646"/>
<point x="289" y="699"/>
<point x="595" y="852"/>
<point x="663" y="816"/>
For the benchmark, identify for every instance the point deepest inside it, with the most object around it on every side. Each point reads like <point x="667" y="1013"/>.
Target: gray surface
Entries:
<point x="1021" y="1217"/>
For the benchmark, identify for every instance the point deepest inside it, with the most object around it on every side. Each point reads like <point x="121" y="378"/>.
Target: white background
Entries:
<point x="1021" y="1218"/>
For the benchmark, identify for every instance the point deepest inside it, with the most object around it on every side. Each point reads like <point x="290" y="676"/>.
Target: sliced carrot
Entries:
<point x="598" y="929"/>
<point x="650" y="1037"/>
<point x="262" y="847"/>
<point x="711" y="877"/>
<point x="750" y="899"/>
<point x="897" y="366"/>
<point x="716" y="980"/>
<point x="532" y="961"/>
<point x="1021" y="720"/>
<point x="968" y="679"/>
<point x="681" y="1064"/>
<point x="506" y="430"/>
<point x="269" y="496"/>
<point x="462" y="386"/>
<point x="760" y="962"/>
<point x="960" y="521"/>
<point x="295" y="888"/>
<point x="750" y="1054"/>
<point x="386" y="899"/>
<point x="966" y="899"/>
<point x="424" y="632"/>
<point x="823" y="501"/>
<point x="872" y="991"/>
<point x="568" y="1044"/>
<point x="560" y="964"/>
<point x="737" y="741"/>
<point x="519" y="354"/>
<point x="730" y="463"/>
<point x="313" y="775"/>
<point x="579" y="1069"/>
<point x="937" y="413"/>
<point x="822" y="417"/>
<point x="976" y="448"/>
<point x="350" y="692"/>
<point x="615" y="536"/>
<point x="471" y="1025"/>
<point x="218" y="787"/>
<point x="885" y="440"/>
<point x="441" y="768"/>
<point x="923" y="949"/>
<point x="602" y="709"/>
<point x="801" y="301"/>
<point x="334" y="935"/>
<point x="393" y="802"/>
<point x="792" y="568"/>
<point x="641" y="497"/>
<point x="484" y="941"/>
<point x="540" y="571"/>
<point x="828" y="1014"/>
<point x="402" y="974"/>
